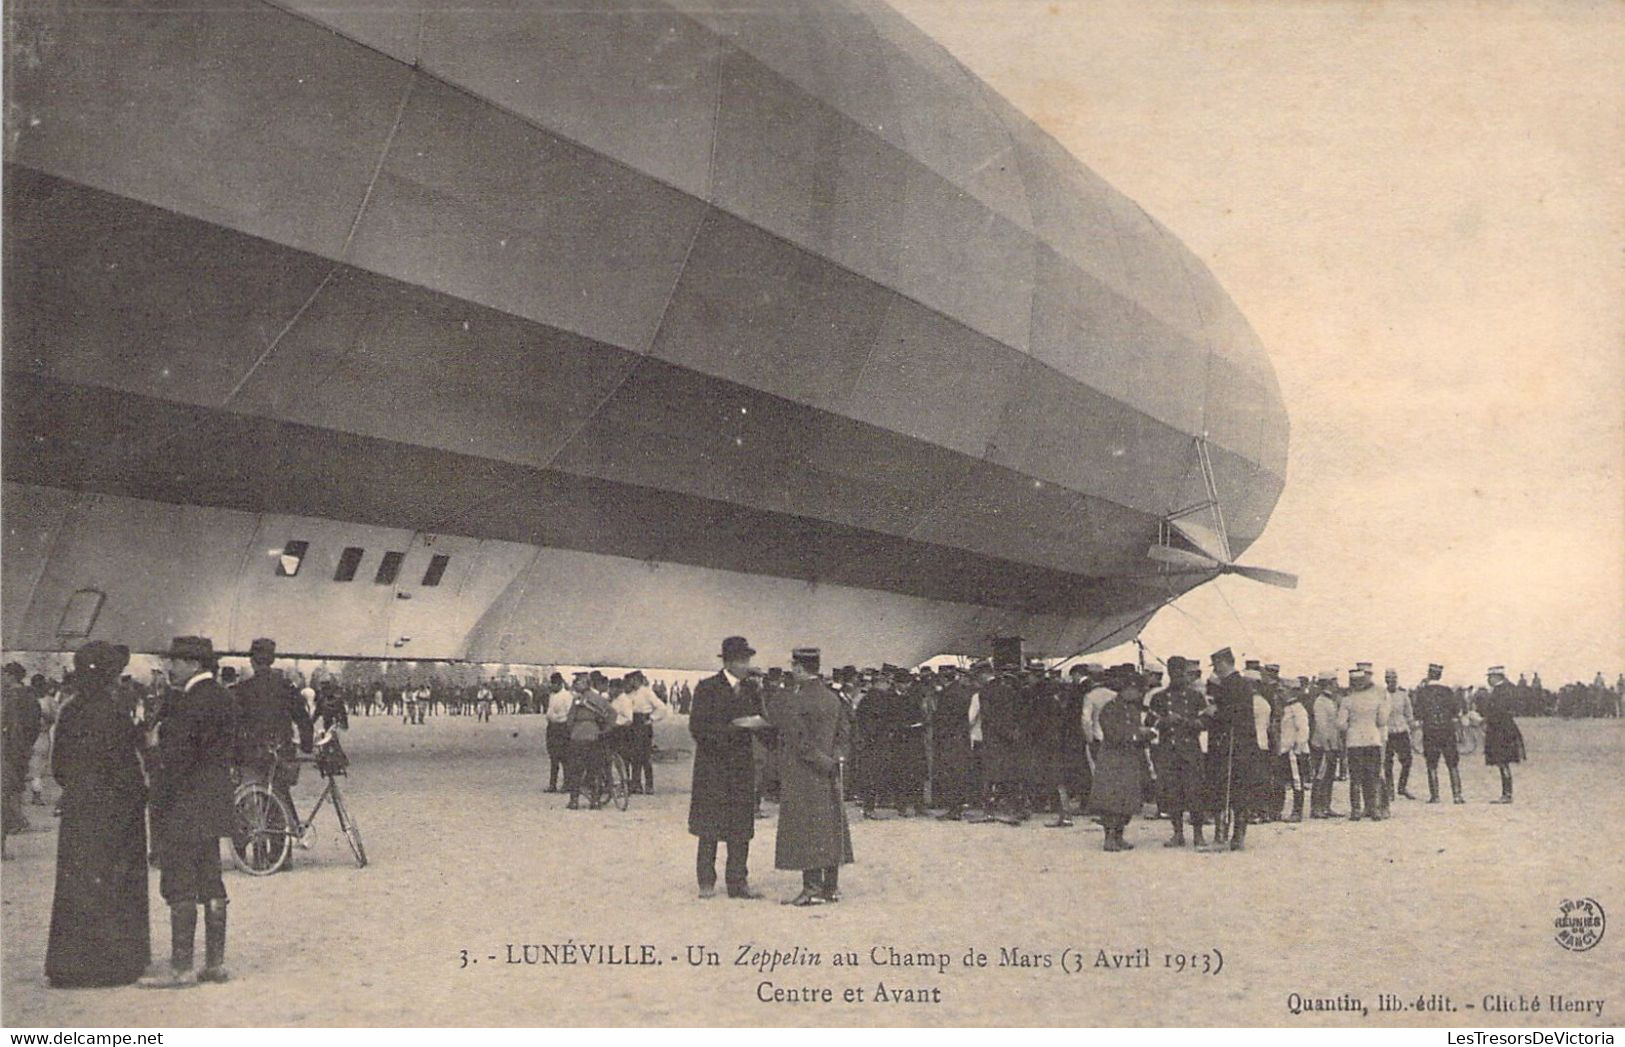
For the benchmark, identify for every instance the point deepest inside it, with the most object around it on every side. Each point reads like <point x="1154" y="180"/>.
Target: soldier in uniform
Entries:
<point x="270" y="712"/>
<point x="1401" y="715"/>
<point x="556" y="709"/>
<point x="1324" y="740"/>
<point x="1176" y="719"/>
<point x="1503" y="742"/>
<point x="1292" y="748"/>
<point x="1237" y="769"/>
<point x="1363" y="718"/>
<point x="192" y="809"/>
<point x="812" y="833"/>
<point x="1438" y="708"/>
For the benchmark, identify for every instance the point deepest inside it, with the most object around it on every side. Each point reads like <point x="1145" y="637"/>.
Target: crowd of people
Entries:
<point x="147" y="777"/>
<point x="1238" y="746"/>
<point x="147" y="771"/>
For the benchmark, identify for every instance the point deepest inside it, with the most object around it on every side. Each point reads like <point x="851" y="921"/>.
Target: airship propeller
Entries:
<point x="1209" y="547"/>
<point x="1194" y="561"/>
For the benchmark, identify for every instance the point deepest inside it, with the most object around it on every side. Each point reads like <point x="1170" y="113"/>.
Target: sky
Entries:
<point x="1421" y="209"/>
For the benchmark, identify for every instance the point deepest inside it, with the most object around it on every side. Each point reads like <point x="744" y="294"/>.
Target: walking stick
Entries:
<point x="1223" y="823"/>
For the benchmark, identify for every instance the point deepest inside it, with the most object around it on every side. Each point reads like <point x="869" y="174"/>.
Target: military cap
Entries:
<point x="1176" y="663"/>
<point x="262" y="648"/>
<point x="1364" y="667"/>
<point x="191" y="648"/>
<point x="1253" y="664"/>
<point x="1223" y="654"/>
<point x="1497" y="670"/>
<point x="809" y="658"/>
<point x="1272" y="669"/>
<point x="1435" y="671"/>
<point x="1328" y="676"/>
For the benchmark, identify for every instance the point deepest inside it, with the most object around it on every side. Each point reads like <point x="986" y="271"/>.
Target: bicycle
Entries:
<point x="614" y="784"/>
<point x="1469" y="736"/>
<point x="266" y="825"/>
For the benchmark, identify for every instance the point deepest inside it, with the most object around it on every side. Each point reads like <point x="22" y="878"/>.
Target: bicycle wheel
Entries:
<point x="352" y="831"/>
<point x="263" y="837"/>
<point x="620" y="786"/>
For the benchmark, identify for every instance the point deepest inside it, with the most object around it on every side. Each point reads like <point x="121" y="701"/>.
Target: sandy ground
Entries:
<point x="468" y="853"/>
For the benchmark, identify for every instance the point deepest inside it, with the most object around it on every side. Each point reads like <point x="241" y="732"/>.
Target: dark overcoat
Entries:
<point x="722" y="801"/>
<point x="1117" y="784"/>
<point x="99" y="933"/>
<point x="812" y="830"/>
<point x="1236" y="766"/>
<point x="269" y="709"/>
<point x="953" y="767"/>
<point x="196" y="740"/>
<point x="1503" y="742"/>
<point x="1002" y="742"/>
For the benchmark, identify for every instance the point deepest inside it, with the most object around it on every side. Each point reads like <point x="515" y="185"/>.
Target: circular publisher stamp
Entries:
<point x="1580" y="924"/>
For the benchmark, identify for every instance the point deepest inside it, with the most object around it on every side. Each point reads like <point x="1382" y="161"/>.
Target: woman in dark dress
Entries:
<point x="1115" y="795"/>
<point x="99" y="934"/>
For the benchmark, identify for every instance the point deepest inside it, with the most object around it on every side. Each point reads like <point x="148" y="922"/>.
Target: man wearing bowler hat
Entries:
<point x="722" y="802"/>
<point x="192" y="809"/>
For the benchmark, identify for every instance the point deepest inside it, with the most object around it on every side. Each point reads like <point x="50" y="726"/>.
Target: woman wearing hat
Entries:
<point x="99" y="931"/>
<point x="1115" y="794"/>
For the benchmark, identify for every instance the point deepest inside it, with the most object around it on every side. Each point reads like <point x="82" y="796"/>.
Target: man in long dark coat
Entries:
<point x="1503" y="742"/>
<point x="953" y="768"/>
<point x="722" y="802"/>
<point x="192" y="809"/>
<point x="906" y="742"/>
<point x="876" y="769"/>
<point x="1003" y="762"/>
<point x="99" y="933"/>
<point x="1237" y="767"/>
<point x="812" y="831"/>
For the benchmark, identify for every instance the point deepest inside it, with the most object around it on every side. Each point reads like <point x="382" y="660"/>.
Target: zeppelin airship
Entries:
<point x="591" y="332"/>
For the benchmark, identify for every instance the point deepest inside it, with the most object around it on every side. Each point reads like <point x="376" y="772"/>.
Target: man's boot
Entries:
<point x="1178" y="838"/>
<point x="1455" y="784"/>
<point x="214" y="942"/>
<point x="182" y="933"/>
<point x="1433" y="785"/>
<point x="1506" y="789"/>
<point x="1196" y="836"/>
<point x="1297" y="806"/>
<point x="1112" y="840"/>
<point x="1405" y="781"/>
<point x="1238" y="839"/>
